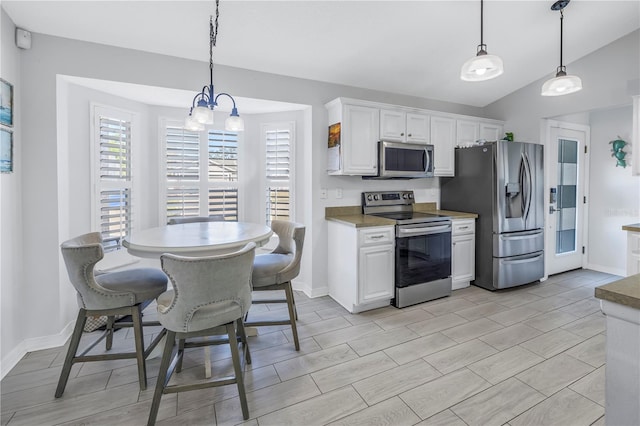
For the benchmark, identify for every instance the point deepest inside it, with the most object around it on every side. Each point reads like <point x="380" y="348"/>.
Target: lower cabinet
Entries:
<point x="361" y="266"/>
<point x="463" y="253"/>
<point x="633" y="253"/>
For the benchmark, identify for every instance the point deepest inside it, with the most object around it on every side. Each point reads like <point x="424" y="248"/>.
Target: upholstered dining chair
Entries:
<point x="210" y="297"/>
<point x="275" y="270"/>
<point x="109" y="294"/>
<point x="195" y="219"/>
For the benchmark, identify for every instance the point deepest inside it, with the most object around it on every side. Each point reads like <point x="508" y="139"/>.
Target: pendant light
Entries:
<point x="482" y="66"/>
<point x="201" y="111"/>
<point x="561" y="84"/>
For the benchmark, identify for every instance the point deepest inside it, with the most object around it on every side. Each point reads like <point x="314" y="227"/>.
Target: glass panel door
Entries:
<point x="566" y="196"/>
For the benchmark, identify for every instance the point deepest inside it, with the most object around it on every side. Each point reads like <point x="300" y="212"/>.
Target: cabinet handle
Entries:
<point x="464" y="227"/>
<point x="402" y="134"/>
<point x="376" y="237"/>
<point x="409" y="135"/>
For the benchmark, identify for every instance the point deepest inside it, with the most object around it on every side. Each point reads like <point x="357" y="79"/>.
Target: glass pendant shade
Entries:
<point x="202" y="114"/>
<point x="234" y="123"/>
<point x="561" y="85"/>
<point x="482" y="67"/>
<point x="193" y="125"/>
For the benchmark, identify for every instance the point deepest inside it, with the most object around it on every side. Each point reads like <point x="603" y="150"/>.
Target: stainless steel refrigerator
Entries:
<point x="503" y="183"/>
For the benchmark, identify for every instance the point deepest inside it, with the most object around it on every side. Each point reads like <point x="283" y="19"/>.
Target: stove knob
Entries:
<point x="410" y="196"/>
<point x="376" y="197"/>
<point x="405" y="196"/>
<point x="369" y="197"/>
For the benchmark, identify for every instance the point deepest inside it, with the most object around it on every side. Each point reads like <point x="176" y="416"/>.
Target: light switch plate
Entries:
<point x="338" y="192"/>
<point x="323" y="193"/>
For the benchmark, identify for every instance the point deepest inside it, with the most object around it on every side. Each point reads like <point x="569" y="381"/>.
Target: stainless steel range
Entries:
<point x="423" y="247"/>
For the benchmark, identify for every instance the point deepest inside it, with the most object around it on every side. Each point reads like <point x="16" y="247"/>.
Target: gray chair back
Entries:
<point x="291" y="241"/>
<point x="194" y="219"/>
<point x="207" y="291"/>
<point x="80" y="256"/>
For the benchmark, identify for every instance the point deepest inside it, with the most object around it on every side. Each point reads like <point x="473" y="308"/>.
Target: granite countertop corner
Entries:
<point x="624" y="292"/>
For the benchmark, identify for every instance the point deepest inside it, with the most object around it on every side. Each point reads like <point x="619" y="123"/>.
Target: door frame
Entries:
<point x="547" y="125"/>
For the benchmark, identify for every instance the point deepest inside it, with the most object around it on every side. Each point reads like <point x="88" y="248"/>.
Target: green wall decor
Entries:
<point x="617" y="151"/>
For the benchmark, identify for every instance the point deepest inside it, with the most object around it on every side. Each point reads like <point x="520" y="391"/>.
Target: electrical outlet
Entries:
<point x="323" y="193"/>
<point x="338" y="192"/>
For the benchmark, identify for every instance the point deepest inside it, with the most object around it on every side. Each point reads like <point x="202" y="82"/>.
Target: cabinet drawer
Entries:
<point x="461" y="227"/>
<point x="376" y="235"/>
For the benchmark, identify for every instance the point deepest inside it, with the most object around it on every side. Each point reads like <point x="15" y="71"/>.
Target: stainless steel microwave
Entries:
<point x="397" y="160"/>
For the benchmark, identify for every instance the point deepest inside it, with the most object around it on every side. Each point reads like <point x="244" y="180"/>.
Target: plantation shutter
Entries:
<point x="223" y="174"/>
<point x="278" y="174"/>
<point x="114" y="181"/>
<point x="182" y="162"/>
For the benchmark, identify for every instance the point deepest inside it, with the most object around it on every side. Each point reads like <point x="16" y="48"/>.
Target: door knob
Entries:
<point x="552" y="210"/>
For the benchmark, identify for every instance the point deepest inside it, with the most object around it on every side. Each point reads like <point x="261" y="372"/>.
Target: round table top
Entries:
<point x="196" y="239"/>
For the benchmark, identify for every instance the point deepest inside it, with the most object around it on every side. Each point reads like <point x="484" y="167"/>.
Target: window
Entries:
<point x="187" y="161"/>
<point x="111" y="150"/>
<point x="278" y="146"/>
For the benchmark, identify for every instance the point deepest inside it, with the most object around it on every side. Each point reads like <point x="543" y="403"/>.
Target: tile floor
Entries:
<point x="527" y="356"/>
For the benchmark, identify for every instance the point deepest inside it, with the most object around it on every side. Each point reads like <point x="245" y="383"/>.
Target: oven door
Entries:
<point x="423" y="254"/>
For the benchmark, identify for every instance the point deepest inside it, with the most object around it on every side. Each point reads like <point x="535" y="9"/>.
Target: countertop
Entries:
<point x="624" y="292"/>
<point x="634" y="227"/>
<point x="352" y="215"/>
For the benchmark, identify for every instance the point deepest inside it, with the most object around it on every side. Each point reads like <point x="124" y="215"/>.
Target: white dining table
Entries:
<point x="196" y="239"/>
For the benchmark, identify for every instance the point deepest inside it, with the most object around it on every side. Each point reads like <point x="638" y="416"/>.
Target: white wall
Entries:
<point x="614" y="193"/>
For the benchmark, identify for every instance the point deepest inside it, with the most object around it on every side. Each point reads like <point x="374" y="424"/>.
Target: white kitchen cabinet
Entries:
<point x="633" y="253"/>
<point x="467" y="132"/>
<point x="443" y="138"/>
<point x="491" y="132"/>
<point x="361" y="266"/>
<point x="463" y="253"/>
<point x="400" y="126"/>
<point x="357" y="152"/>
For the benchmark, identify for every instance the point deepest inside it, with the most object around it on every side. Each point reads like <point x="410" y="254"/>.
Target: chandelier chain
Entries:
<point x="213" y="34"/>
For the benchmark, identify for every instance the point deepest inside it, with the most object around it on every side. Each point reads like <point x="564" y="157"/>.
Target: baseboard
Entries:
<point x="304" y="287"/>
<point x="34" y="344"/>
<point x="606" y="269"/>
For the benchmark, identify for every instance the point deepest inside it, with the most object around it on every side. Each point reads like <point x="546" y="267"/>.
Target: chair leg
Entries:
<point x="110" y="320"/>
<point x="235" y="356"/>
<point x="162" y="377"/>
<point x="243" y="339"/>
<point x="136" y="315"/>
<point x="292" y="314"/>
<point x="180" y="355"/>
<point x="71" y="352"/>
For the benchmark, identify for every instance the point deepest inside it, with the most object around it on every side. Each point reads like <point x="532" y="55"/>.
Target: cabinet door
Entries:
<point x="417" y="128"/>
<point x="466" y="133"/>
<point x="392" y="125"/>
<point x="443" y="138"/>
<point x="375" y="281"/>
<point x="462" y="260"/>
<point x="359" y="147"/>
<point x="491" y="132"/>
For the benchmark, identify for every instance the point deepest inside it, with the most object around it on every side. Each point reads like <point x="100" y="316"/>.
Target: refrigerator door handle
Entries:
<point x="521" y="235"/>
<point x="521" y="260"/>
<point x="529" y="191"/>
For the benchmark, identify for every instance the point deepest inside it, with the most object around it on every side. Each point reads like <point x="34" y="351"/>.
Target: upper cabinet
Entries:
<point x="400" y="126"/>
<point x="356" y="126"/>
<point x="443" y="138"/>
<point x="353" y="136"/>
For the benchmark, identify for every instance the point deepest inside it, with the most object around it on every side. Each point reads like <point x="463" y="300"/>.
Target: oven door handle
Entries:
<point x="411" y="232"/>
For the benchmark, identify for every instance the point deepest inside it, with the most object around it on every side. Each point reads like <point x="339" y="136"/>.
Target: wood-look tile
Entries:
<point x="510" y="336"/>
<point x="34" y="379"/>
<point x="392" y="382"/>
<point x="591" y="351"/>
<point x="379" y="341"/>
<point x="588" y="326"/>
<point x="319" y="327"/>
<point x="324" y="409"/>
<point x="592" y="386"/>
<point x="133" y="414"/>
<point x="550" y="320"/>
<point x="281" y="353"/>
<point x="444" y="418"/>
<point x="517" y="298"/>
<point x="552" y="343"/>
<point x="267" y="400"/>
<point x="448" y="306"/>
<point x="552" y="375"/>
<point x="483" y="310"/>
<point x="582" y="308"/>
<point x="338" y="337"/>
<point x="505" y="364"/>
<point x="33" y="363"/>
<point x="399" y="320"/>
<point x="418" y="348"/>
<point x="332" y="312"/>
<point x="472" y="330"/>
<point x="436" y="324"/>
<point x="349" y="372"/>
<point x="444" y="392"/>
<point x="498" y="404"/>
<point x="577" y="293"/>
<point x="315" y="361"/>
<point x="390" y="412"/>
<point x="549" y="304"/>
<point x="514" y="315"/>
<point x="564" y="408"/>
<point x="599" y="422"/>
<point x="205" y="415"/>
<point x="460" y="356"/>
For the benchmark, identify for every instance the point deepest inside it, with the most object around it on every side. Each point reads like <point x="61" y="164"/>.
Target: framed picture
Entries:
<point x="6" y="103"/>
<point x="6" y="151"/>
